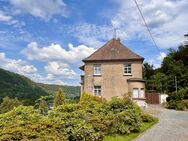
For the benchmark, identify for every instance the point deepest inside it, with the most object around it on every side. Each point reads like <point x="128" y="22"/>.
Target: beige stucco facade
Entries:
<point x="112" y="80"/>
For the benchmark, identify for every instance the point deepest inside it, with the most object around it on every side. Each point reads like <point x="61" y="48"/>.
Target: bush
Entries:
<point x="23" y="123"/>
<point x="147" y="118"/>
<point x="178" y="105"/>
<point x="85" y="98"/>
<point x="89" y="120"/>
<point x="8" y="104"/>
<point x="76" y="123"/>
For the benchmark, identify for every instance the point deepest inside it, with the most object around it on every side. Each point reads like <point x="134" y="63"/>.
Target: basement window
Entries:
<point x="127" y="69"/>
<point x="97" y="90"/>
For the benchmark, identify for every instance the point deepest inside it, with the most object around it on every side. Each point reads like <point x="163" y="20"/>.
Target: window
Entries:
<point x="142" y="93"/>
<point x="97" y="90"/>
<point x="137" y="93"/>
<point x="97" y="69"/>
<point x="127" y="69"/>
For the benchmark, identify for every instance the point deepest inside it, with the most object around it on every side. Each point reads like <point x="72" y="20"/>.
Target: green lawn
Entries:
<point x="131" y="136"/>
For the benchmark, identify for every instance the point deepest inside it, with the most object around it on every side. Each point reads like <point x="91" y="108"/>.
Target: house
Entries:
<point x="114" y="70"/>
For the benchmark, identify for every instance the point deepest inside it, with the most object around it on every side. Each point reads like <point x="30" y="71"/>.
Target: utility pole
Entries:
<point x="176" y="85"/>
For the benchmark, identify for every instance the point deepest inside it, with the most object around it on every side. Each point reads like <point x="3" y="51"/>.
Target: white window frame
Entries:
<point x="97" y="69"/>
<point x="137" y="94"/>
<point x="97" y="90"/>
<point x="127" y="69"/>
<point x="140" y="94"/>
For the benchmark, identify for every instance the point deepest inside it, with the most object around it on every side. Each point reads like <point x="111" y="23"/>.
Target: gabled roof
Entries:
<point x="113" y="50"/>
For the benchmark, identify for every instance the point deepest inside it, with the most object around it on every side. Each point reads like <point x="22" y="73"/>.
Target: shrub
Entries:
<point x="124" y="115"/>
<point x="89" y="120"/>
<point x="8" y="104"/>
<point x="59" y="98"/>
<point x="85" y="98"/>
<point x="147" y="118"/>
<point x="125" y="122"/>
<point x="182" y="105"/>
<point x="23" y="123"/>
<point x="76" y="123"/>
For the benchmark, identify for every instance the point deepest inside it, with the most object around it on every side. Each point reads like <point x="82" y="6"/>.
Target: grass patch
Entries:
<point x="144" y="127"/>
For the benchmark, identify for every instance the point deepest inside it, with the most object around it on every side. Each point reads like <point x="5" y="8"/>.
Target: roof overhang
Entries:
<point x="82" y="67"/>
<point x="114" y="60"/>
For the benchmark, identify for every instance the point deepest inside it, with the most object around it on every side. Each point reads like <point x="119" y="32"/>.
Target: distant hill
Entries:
<point x="70" y="91"/>
<point x="16" y="85"/>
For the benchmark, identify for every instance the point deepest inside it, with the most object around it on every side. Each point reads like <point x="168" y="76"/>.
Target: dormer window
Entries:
<point x="127" y="69"/>
<point x="97" y="69"/>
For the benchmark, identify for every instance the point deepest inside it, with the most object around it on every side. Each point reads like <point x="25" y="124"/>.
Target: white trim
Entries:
<point x="98" y="89"/>
<point x="127" y="67"/>
<point x="97" y="69"/>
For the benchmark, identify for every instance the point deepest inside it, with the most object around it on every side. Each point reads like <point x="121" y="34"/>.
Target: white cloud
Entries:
<point x="40" y="8"/>
<point x="59" y="69"/>
<point x="161" y="56"/>
<point x="4" y="17"/>
<point x="18" y="66"/>
<point x="55" y="72"/>
<point x="56" y="52"/>
<point x="166" y="19"/>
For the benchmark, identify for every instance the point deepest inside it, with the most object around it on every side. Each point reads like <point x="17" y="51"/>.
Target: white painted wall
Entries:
<point x="163" y="98"/>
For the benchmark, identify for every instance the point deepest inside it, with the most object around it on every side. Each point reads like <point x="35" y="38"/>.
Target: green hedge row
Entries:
<point x="90" y="120"/>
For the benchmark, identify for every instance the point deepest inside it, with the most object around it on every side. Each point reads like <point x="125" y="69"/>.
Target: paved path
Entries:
<point x="172" y="126"/>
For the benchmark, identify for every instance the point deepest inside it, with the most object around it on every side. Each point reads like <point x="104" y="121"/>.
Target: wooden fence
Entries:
<point x="152" y="98"/>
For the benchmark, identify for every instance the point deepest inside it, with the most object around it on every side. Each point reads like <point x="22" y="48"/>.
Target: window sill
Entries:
<point x="97" y="75"/>
<point x="127" y="74"/>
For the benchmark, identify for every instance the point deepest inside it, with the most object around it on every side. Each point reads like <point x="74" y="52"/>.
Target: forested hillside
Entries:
<point x="15" y="85"/>
<point x="70" y="91"/>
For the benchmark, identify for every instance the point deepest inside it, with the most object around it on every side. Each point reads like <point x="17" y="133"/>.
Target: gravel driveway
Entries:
<point x="172" y="126"/>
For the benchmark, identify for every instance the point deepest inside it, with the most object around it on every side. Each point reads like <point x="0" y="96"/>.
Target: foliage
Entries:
<point x="23" y="123"/>
<point x="178" y="105"/>
<point x="43" y="107"/>
<point x="89" y="121"/>
<point x="174" y="64"/>
<point x="131" y="136"/>
<point x="158" y="82"/>
<point x="86" y="98"/>
<point x="59" y="98"/>
<point x="178" y="100"/>
<point x="8" y="104"/>
<point x="71" y="92"/>
<point x="147" y="118"/>
<point x="14" y="85"/>
<point x="148" y="71"/>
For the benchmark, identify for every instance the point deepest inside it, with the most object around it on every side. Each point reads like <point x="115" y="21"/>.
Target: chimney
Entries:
<point x="118" y="39"/>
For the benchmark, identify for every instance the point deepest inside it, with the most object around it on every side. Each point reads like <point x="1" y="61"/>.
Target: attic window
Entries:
<point x="127" y="69"/>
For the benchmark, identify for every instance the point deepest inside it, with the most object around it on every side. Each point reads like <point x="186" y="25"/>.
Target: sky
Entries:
<point x="46" y="40"/>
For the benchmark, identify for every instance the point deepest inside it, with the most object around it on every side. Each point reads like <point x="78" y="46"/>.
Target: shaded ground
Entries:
<point x="172" y="126"/>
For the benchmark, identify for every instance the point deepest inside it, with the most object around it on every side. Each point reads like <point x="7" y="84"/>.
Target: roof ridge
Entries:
<point x="104" y="53"/>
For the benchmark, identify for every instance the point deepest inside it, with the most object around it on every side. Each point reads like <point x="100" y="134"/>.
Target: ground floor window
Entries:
<point x="135" y="92"/>
<point x="97" y="90"/>
<point x="138" y="93"/>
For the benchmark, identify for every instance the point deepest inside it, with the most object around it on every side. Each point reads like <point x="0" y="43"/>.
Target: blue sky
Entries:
<point x="46" y="40"/>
